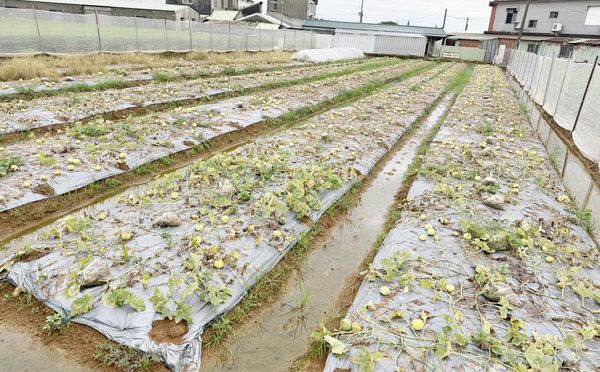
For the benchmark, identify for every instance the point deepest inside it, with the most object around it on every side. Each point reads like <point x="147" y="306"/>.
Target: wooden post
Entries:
<point x="98" y="31"/>
<point x="137" y="36"/>
<point x="190" y="29"/>
<point x="210" y="45"/>
<point x="229" y="39"/>
<point x="37" y="26"/>
<point x="166" y="36"/>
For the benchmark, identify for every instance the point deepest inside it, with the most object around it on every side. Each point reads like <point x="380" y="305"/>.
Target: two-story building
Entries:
<point x="551" y="27"/>
<point x="292" y="12"/>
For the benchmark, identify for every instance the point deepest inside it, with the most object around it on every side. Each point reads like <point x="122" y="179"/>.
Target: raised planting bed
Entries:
<point x="70" y="107"/>
<point x="487" y="267"/>
<point x="189" y="245"/>
<point x="122" y="78"/>
<point x="55" y="164"/>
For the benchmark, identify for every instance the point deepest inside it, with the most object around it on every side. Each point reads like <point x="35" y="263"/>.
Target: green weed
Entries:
<point x="123" y="358"/>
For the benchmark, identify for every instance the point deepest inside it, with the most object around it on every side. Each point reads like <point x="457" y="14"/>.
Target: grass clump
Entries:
<point x="123" y="358"/>
<point x="90" y="129"/>
<point x="50" y="67"/>
<point x="163" y="77"/>
<point x="586" y="220"/>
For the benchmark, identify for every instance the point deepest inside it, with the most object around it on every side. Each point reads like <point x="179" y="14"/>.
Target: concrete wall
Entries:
<point x="572" y="171"/>
<point x="466" y="54"/>
<point x="571" y="14"/>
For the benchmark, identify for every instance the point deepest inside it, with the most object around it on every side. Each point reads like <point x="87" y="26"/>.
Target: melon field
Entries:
<point x="379" y="214"/>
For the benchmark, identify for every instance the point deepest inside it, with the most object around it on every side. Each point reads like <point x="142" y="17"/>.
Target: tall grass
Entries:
<point x="53" y="67"/>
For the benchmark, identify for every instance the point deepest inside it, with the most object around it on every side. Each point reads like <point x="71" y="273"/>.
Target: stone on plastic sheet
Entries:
<point x="167" y="219"/>
<point x="493" y="291"/>
<point x="95" y="273"/>
<point x="494" y="201"/>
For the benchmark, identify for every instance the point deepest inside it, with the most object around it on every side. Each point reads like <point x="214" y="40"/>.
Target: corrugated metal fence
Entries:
<point x="28" y="31"/>
<point x="381" y="43"/>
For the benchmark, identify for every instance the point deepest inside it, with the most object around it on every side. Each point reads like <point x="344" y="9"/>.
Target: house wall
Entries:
<point x="571" y="14"/>
<point x="80" y="9"/>
<point x="468" y="43"/>
<point x="201" y="6"/>
<point x="581" y="53"/>
<point x="224" y="5"/>
<point x="294" y="11"/>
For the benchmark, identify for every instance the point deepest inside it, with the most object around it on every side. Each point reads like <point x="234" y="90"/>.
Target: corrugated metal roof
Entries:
<point x="223" y="15"/>
<point x="262" y="18"/>
<point x="130" y="4"/>
<point x="427" y="31"/>
<point x="470" y="36"/>
<point x="363" y="32"/>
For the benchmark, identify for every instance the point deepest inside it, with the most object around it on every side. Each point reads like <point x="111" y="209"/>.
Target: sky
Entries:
<point x="419" y="12"/>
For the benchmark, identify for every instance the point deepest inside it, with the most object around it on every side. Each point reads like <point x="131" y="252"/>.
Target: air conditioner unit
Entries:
<point x="517" y="25"/>
<point x="557" y="27"/>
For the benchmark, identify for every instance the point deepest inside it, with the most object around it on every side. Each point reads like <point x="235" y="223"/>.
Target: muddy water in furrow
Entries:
<point x="280" y="334"/>
<point x="21" y="352"/>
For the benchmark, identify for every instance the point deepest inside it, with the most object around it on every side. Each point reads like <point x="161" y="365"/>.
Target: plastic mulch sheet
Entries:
<point x="464" y="283"/>
<point x="154" y="136"/>
<point x="235" y="222"/>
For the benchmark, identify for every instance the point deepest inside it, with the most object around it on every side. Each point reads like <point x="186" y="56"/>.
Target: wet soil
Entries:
<point x="167" y="331"/>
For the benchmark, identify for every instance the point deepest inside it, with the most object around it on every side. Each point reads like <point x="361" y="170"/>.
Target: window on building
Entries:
<point x="274" y="5"/>
<point x="187" y="2"/>
<point x="566" y="51"/>
<point x="532" y="23"/>
<point x="593" y="16"/>
<point x="511" y="15"/>
<point x="553" y="14"/>
<point x="533" y="48"/>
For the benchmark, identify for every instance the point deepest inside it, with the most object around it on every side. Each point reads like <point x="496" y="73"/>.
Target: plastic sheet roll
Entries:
<point x="327" y="55"/>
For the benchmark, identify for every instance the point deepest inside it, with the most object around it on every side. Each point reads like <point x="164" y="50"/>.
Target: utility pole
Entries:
<point x="445" y="15"/>
<point x="362" y="4"/>
<point x="522" y="25"/>
<point x="467" y="24"/>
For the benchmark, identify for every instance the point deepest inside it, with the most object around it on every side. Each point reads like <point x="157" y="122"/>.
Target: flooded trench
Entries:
<point x="280" y="334"/>
<point x="19" y="351"/>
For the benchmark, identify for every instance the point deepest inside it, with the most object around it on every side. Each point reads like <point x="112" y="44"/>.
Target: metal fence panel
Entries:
<point x="68" y="33"/>
<point x="25" y="31"/>
<point x="18" y="31"/>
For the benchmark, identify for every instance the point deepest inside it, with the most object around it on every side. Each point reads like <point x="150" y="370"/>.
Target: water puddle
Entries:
<point x="279" y="335"/>
<point x="21" y="352"/>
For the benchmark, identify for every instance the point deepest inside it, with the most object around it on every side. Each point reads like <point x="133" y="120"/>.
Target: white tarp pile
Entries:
<point x="327" y="55"/>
